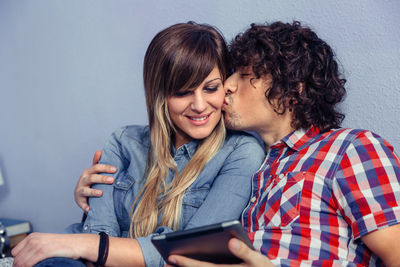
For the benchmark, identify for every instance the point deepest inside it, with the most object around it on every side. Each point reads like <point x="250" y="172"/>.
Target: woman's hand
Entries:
<point x="91" y="176"/>
<point x="39" y="246"/>
<point x="250" y="258"/>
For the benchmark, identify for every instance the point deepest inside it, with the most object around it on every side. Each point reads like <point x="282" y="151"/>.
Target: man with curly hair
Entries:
<point x="325" y="195"/>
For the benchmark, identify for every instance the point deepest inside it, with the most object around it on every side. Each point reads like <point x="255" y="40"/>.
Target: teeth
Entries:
<point x="198" y="119"/>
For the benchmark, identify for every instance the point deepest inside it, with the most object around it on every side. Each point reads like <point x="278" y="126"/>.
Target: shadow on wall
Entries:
<point x="4" y="191"/>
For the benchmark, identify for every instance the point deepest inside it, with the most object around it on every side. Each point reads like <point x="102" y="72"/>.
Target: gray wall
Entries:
<point x="70" y="74"/>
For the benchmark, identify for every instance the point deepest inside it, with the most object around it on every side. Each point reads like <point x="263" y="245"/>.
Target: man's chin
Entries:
<point x="231" y="125"/>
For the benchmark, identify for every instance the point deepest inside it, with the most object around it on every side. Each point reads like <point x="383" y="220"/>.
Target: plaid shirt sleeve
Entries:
<point x="367" y="184"/>
<point x="316" y="263"/>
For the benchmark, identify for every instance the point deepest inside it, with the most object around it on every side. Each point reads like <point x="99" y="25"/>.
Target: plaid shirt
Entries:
<point x="317" y="194"/>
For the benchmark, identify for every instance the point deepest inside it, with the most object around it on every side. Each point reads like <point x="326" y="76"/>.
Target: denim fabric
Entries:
<point x="220" y="192"/>
<point x="60" y="262"/>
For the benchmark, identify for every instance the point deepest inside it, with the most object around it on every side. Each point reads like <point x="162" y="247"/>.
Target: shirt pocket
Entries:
<point x="283" y="201"/>
<point x="192" y="201"/>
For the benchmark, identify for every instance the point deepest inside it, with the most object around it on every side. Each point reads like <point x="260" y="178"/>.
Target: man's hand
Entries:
<point x="90" y="176"/>
<point x="250" y="258"/>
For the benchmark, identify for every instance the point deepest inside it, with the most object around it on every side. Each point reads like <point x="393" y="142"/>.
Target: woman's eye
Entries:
<point x="211" y="89"/>
<point x="244" y="75"/>
<point x="183" y="93"/>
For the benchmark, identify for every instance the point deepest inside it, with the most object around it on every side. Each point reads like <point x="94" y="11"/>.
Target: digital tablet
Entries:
<point x="207" y="243"/>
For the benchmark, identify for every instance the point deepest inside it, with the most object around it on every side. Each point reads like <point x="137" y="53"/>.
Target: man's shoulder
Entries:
<point x="351" y="134"/>
<point x="343" y="139"/>
<point x="343" y="134"/>
<point x="338" y="140"/>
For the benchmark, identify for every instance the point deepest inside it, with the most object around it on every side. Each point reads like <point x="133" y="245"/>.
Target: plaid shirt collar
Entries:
<point x="297" y="139"/>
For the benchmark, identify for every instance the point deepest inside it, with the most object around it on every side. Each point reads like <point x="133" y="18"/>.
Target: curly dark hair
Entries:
<point x="305" y="75"/>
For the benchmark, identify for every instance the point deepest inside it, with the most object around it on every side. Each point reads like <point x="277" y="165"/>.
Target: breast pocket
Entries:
<point x="283" y="201"/>
<point x="192" y="201"/>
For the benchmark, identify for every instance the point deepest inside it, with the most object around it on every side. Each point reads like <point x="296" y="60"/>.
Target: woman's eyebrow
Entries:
<point x="213" y="80"/>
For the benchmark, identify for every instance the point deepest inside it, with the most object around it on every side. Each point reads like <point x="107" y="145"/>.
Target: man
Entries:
<point x="324" y="195"/>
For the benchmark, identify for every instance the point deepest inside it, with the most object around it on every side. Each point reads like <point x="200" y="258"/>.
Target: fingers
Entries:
<point x="89" y="177"/>
<point x="82" y="203"/>
<point x="99" y="168"/>
<point x="187" y="262"/>
<point x="96" y="157"/>
<point x="250" y="257"/>
<point x="86" y="181"/>
<point x="85" y="192"/>
<point x="83" y="189"/>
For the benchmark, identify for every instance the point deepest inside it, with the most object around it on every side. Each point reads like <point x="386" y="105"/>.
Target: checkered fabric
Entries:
<point x="317" y="193"/>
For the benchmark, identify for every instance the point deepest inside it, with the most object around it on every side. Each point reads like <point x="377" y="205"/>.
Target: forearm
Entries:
<point x="384" y="243"/>
<point x="122" y="251"/>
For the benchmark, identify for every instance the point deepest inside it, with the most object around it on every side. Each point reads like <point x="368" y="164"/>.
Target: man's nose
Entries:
<point x="230" y="84"/>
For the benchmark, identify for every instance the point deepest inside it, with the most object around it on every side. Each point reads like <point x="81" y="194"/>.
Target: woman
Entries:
<point x="179" y="172"/>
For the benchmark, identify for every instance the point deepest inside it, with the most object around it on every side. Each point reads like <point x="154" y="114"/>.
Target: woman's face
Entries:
<point x="195" y="113"/>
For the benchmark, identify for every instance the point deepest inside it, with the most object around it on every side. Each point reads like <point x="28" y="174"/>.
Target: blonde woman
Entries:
<point x="183" y="170"/>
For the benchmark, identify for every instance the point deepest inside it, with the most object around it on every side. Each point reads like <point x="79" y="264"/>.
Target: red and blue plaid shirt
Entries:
<point x="317" y="193"/>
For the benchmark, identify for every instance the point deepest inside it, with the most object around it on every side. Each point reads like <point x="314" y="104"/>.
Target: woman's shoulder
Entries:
<point x="234" y="137"/>
<point x="244" y="145"/>
<point x="133" y="133"/>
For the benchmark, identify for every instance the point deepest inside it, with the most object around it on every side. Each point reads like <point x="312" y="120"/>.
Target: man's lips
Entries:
<point x="225" y="105"/>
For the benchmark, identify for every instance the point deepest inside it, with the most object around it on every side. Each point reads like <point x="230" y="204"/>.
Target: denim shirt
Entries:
<point x="219" y="193"/>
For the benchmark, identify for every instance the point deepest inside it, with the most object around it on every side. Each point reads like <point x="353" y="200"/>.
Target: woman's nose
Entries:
<point x="199" y="103"/>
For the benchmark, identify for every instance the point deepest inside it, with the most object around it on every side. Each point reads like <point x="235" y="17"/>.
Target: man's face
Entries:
<point x="246" y="106"/>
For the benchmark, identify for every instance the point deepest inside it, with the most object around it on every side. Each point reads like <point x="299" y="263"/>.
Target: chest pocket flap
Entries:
<point x="283" y="201"/>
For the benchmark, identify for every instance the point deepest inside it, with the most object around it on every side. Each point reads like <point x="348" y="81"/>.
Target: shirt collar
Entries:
<point x="190" y="148"/>
<point x="296" y="139"/>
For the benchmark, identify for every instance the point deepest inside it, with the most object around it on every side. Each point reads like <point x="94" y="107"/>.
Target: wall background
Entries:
<point x="71" y="73"/>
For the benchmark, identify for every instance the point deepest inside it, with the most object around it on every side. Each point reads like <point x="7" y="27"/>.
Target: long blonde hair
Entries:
<point x="179" y="57"/>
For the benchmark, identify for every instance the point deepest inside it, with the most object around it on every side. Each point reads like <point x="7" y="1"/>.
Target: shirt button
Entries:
<point x="281" y="176"/>
<point x="118" y="182"/>
<point x="253" y="199"/>
<point x="85" y="227"/>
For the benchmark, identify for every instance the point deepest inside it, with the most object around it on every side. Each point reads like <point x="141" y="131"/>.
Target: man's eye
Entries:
<point x="244" y="75"/>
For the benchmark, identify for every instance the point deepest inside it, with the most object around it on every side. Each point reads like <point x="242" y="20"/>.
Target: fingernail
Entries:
<point x="172" y="260"/>
<point x="113" y="169"/>
<point x="235" y="245"/>
<point x="98" y="192"/>
<point x="110" y="179"/>
<point x="87" y="209"/>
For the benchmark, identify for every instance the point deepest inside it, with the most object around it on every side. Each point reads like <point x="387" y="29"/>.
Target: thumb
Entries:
<point x="96" y="157"/>
<point x="249" y="256"/>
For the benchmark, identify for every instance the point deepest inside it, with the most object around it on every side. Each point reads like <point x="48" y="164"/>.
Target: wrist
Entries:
<point x="103" y="249"/>
<point x="86" y="246"/>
